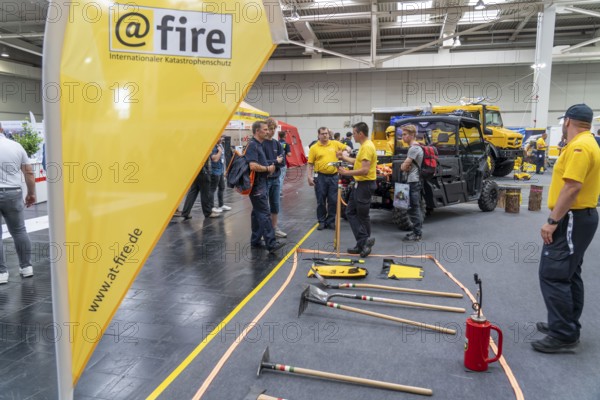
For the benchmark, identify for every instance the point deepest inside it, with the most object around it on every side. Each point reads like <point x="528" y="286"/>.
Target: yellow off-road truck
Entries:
<point x="505" y="145"/>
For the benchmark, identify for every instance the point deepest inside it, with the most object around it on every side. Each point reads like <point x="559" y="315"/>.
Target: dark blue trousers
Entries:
<point x="200" y="186"/>
<point x="540" y="159"/>
<point x="414" y="212"/>
<point x="560" y="272"/>
<point x="358" y="209"/>
<point x="326" y="190"/>
<point x="260" y="219"/>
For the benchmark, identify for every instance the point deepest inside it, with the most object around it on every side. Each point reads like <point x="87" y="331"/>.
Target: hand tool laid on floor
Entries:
<point x="338" y="260"/>
<point x="338" y="271"/>
<point x="257" y="393"/>
<point x="265" y="363"/>
<point x="392" y="270"/>
<point x="311" y="295"/>
<point x="324" y="296"/>
<point x="325" y="283"/>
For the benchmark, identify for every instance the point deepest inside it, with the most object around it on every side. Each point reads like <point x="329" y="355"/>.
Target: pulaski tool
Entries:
<point x="265" y="363"/>
<point x="313" y="294"/>
<point x="325" y="283"/>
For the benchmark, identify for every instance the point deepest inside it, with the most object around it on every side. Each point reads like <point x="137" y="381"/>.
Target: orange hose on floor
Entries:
<point x="244" y="333"/>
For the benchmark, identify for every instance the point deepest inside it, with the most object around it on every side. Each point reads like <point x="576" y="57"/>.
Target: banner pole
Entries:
<point x="54" y="35"/>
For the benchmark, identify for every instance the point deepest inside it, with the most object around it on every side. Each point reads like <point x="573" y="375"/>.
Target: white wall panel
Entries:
<point x="19" y="96"/>
<point x="332" y="99"/>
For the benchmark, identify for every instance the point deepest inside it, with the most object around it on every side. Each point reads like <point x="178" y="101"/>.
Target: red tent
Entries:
<point x="292" y="137"/>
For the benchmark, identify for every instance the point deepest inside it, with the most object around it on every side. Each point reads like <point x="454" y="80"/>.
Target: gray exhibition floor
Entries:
<point x="174" y="305"/>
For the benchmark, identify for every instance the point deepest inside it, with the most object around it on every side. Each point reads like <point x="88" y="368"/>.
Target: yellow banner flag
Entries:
<point x="144" y="91"/>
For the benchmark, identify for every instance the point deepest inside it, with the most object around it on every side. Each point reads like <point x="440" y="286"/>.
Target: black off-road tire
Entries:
<point x="489" y="196"/>
<point x="401" y="219"/>
<point x="504" y="169"/>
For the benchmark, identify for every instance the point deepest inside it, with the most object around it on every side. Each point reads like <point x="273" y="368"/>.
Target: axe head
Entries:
<point x="254" y="392"/>
<point x="319" y="277"/>
<point x="265" y="359"/>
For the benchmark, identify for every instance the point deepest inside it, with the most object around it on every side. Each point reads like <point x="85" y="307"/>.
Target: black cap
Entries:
<point x="579" y="112"/>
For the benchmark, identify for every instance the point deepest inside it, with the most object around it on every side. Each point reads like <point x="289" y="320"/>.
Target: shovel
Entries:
<point x="268" y="365"/>
<point x="326" y="296"/>
<point x="325" y="283"/>
<point x="313" y="294"/>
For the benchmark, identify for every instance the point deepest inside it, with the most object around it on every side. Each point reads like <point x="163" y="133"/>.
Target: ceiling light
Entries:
<point x="538" y="66"/>
<point x="4" y="54"/>
<point x="456" y="42"/>
<point x="480" y="5"/>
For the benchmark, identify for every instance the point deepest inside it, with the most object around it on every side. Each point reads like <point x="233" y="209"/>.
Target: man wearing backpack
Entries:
<point x="411" y="166"/>
<point x="261" y="224"/>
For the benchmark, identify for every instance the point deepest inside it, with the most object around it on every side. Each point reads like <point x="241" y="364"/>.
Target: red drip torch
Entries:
<point x="477" y="337"/>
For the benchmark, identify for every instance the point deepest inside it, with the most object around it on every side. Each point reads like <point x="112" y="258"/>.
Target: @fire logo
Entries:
<point x="132" y="25"/>
<point x="171" y="32"/>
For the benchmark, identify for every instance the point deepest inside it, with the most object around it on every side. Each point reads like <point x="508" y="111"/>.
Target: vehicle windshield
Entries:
<point x="493" y="118"/>
<point x="439" y="134"/>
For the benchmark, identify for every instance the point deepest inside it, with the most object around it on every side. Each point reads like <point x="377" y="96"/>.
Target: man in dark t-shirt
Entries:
<point x="260" y="218"/>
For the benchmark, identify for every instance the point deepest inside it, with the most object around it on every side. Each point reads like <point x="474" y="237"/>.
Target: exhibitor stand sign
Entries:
<point x="139" y="127"/>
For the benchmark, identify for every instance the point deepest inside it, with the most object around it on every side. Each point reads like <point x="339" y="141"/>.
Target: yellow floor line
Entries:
<point x="244" y="333"/>
<point x="188" y="360"/>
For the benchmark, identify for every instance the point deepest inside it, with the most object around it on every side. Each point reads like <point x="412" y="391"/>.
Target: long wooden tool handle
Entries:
<point x="338" y="212"/>
<point x="407" y="290"/>
<point x="390" y="318"/>
<point x="413" y="304"/>
<point x="265" y="397"/>
<point x="364" y="381"/>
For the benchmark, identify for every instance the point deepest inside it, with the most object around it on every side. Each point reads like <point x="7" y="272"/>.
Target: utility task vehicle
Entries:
<point x="505" y="145"/>
<point x="462" y="165"/>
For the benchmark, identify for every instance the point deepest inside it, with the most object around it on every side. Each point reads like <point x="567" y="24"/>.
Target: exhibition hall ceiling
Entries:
<point x="363" y="28"/>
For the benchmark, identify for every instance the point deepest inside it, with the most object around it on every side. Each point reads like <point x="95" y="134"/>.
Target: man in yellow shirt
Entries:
<point x="568" y="232"/>
<point x="324" y="177"/>
<point x="359" y="204"/>
<point x="540" y="153"/>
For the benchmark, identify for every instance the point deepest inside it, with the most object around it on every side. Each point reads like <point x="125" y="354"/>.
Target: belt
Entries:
<point x="321" y="173"/>
<point x="6" y="189"/>
<point x="583" y="210"/>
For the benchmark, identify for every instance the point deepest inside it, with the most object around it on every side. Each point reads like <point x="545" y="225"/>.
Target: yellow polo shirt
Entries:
<point x="367" y="152"/>
<point x="540" y="144"/>
<point x="579" y="161"/>
<point x="319" y="155"/>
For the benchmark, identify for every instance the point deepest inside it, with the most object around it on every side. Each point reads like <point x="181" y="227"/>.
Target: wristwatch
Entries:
<point x="552" y="221"/>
